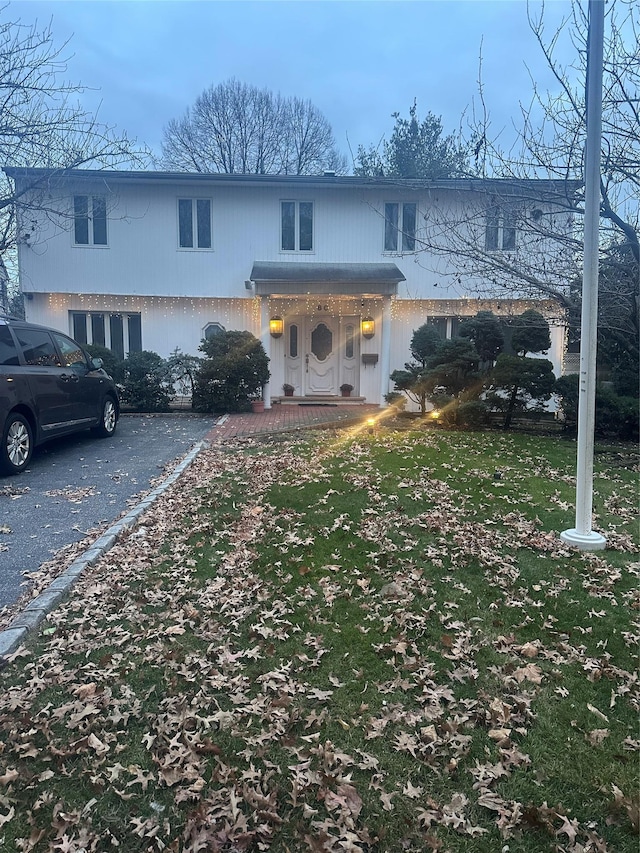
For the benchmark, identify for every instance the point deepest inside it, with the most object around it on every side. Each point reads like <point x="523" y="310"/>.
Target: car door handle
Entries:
<point x="69" y="377"/>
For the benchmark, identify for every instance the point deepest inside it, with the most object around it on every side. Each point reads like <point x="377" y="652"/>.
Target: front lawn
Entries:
<point x="350" y="641"/>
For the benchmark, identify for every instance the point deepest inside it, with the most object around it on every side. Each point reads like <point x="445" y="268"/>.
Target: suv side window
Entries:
<point x="37" y="347"/>
<point x="69" y="350"/>
<point x="8" y="349"/>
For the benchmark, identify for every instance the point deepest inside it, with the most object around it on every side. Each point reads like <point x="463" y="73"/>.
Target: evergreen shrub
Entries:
<point x="232" y="374"/>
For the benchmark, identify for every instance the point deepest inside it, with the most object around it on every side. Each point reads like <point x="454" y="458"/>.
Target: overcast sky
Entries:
<point x="145" y="61"/>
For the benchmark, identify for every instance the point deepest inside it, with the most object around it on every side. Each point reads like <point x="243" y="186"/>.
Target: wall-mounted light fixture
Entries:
<point x="276" y="327"/>
<point x="368" y="327"/>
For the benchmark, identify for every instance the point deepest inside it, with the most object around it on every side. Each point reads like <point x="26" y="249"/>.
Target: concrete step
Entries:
<point x="318" y="400"/>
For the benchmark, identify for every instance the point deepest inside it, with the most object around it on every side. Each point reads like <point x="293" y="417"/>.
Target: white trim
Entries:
<point x="265" y="338"/>
<point x="385" y="349"/>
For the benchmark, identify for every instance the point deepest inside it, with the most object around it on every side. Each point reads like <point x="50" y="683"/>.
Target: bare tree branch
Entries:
<point x="41" y="126"/>
<point x="236" y="128"/>
<point x="546" y="259"/>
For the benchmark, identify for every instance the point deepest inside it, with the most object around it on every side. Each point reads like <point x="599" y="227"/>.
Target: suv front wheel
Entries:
<point x="108" y="420"/>
<point x="17" y="444"/>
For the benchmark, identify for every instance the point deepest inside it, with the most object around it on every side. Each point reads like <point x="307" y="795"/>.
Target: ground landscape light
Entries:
<point x="276" y="327"/>
<point x="368" y="327"/>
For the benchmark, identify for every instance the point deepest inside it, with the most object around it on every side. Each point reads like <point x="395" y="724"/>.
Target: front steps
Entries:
<point x="318" y="400"/>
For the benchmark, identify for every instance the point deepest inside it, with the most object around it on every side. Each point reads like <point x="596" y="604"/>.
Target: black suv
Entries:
<point x="49" y="386"/>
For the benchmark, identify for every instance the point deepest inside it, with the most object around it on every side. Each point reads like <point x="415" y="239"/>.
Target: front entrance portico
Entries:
<point x="322" y="307"/>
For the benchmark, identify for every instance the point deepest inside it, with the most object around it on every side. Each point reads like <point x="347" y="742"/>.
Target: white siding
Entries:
<point x="178" y="291"/>
<point x="143" y="256"/>
<point x="167" y="322"/>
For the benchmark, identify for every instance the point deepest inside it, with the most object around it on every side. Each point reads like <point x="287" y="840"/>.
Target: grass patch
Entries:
<point x="366" y="643"/>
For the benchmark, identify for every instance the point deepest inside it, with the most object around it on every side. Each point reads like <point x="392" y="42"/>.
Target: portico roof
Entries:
<point x="291" y="278"/>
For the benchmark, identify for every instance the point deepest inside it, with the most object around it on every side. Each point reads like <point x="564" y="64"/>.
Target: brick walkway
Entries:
<point x="286" y="419"/>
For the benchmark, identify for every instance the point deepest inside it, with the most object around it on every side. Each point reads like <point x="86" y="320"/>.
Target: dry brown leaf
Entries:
<point x="10" y="776"/>
<point x="597" y="712"/>
<point x="5" y="818"/>
<point x="531" y="672"/>
<point x="597" y="736"/>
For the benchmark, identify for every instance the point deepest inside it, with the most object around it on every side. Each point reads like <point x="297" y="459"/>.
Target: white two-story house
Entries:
<point x="329" y="272"/>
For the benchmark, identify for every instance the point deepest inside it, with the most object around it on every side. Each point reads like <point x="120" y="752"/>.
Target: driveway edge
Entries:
<point x="18" y="629"/>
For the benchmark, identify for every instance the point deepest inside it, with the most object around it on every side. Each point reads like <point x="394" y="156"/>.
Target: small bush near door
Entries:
<point x="232" y="374"/>
<point x="145" y="386"/>
<point x="147" y="382"/>
<point x="183" y="369"/>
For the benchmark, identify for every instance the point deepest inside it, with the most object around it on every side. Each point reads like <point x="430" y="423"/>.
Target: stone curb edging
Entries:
<point x="16" y="632"/>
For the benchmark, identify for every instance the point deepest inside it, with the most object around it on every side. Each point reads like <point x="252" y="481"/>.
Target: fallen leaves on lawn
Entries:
<point x="163" y="687"/>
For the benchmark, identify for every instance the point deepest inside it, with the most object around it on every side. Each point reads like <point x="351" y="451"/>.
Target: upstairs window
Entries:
<point x="296" y="226"/>
<point x="194" y="223"/>
<point x="500" y="234"/>
<point x="400" y="227"/>
<point x="90" y="220"/>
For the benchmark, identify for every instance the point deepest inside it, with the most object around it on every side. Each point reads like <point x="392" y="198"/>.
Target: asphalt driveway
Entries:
<point x="78" y="484"/>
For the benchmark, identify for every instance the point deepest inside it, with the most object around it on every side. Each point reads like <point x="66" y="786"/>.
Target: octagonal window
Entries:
<point x="212" y="330"/>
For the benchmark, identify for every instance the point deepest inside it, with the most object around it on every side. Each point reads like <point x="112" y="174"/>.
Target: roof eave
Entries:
<point x="469" y="184"/>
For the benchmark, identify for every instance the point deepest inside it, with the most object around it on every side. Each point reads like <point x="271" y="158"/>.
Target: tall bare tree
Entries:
<point x="310" y="145"/>
<point x="42" y="125"/>
<point x="235" y="128"/>
<point x="523" y="236"/>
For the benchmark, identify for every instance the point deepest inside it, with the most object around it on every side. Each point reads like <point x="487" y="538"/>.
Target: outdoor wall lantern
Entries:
<point x="368" y="327"/>
<point x="276" y="327"/>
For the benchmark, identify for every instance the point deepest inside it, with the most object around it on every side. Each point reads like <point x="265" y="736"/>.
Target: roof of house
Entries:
<point x="541" y="187"/>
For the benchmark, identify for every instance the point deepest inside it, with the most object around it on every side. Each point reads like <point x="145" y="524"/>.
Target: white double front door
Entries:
<point x="321" y="354"/>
